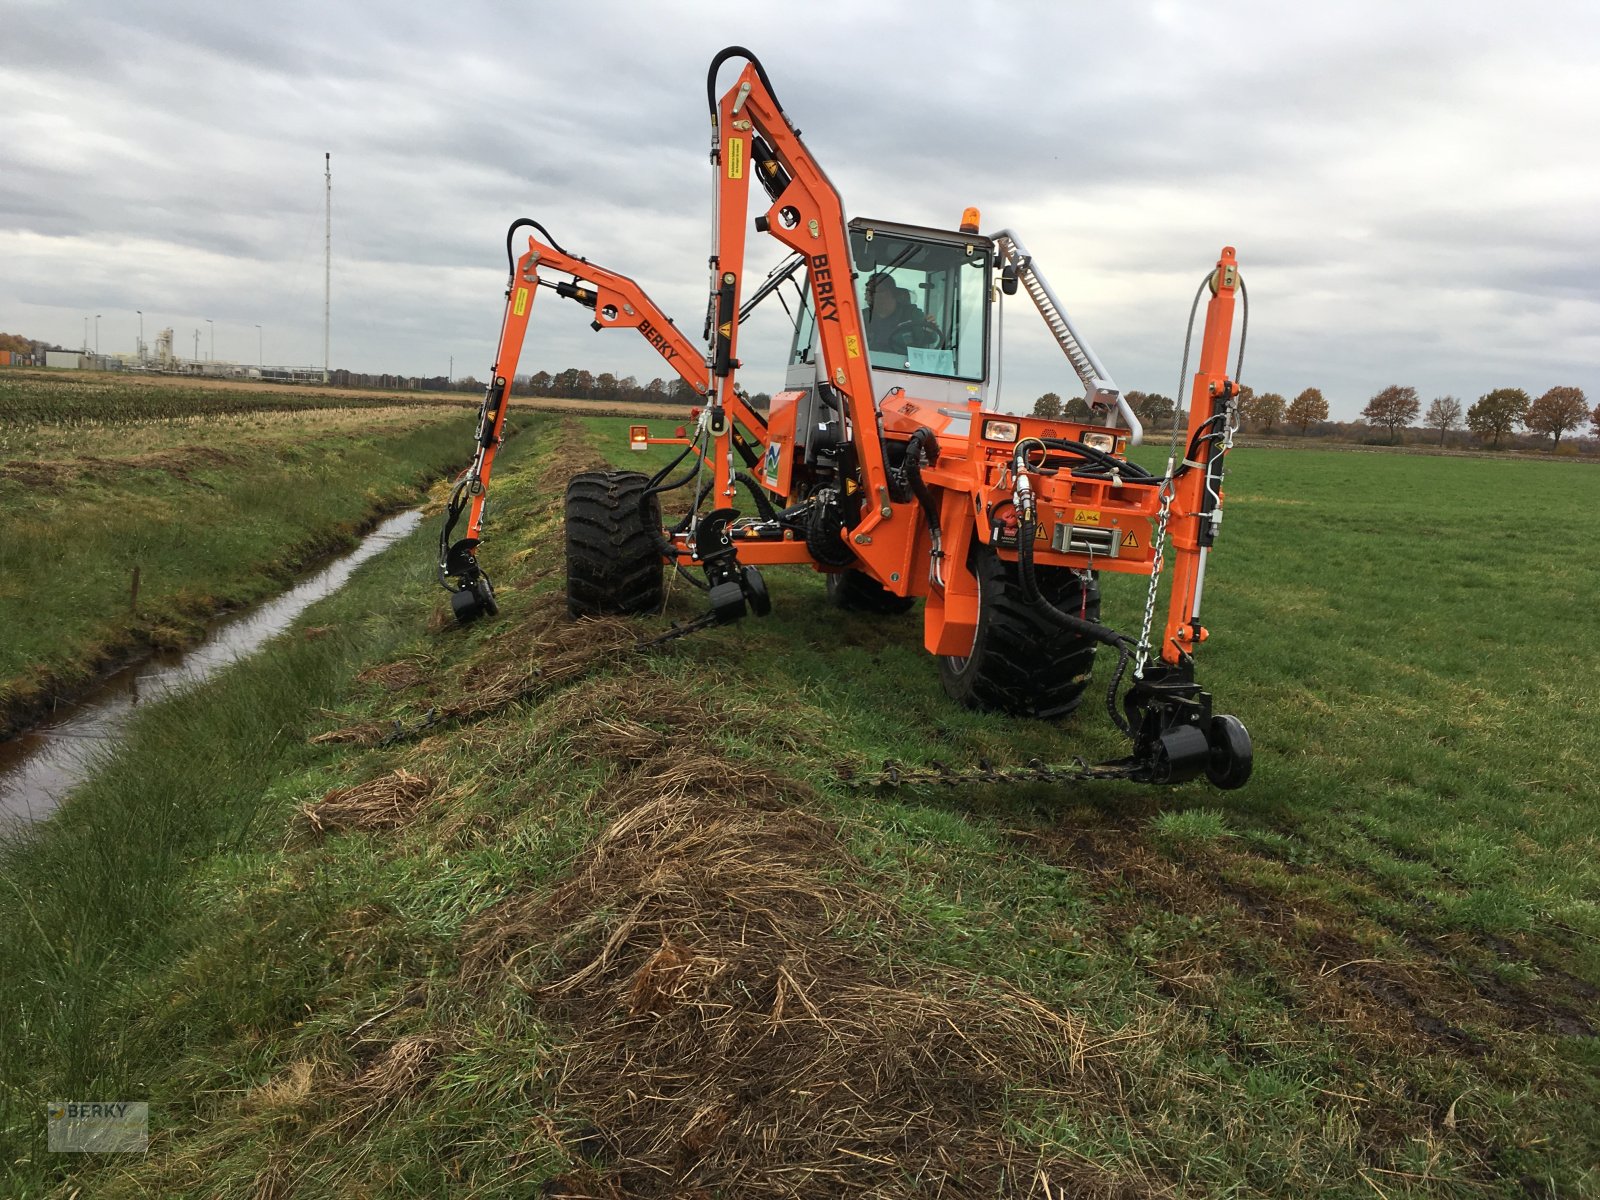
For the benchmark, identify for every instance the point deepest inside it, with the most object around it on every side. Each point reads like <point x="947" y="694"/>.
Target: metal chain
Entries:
<point x="892" y="775"/>
<point x="1169" y="489"/>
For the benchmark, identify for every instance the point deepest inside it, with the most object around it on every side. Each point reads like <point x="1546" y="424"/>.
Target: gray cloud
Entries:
<point x="1411" y="187"/>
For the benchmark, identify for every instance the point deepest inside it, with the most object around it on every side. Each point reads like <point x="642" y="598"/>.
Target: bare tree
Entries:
<point x="1444" y="414"/>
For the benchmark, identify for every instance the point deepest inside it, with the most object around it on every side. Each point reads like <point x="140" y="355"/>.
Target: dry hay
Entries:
<point x="728" y="1037"/>
<point x="523" y="661"/>
<point x="396" y="676"/>
<point x="367" y="733"/>
<point x="545" y="650"/>
<point x="387" y="802"/>
<point x="400" y="1072"/>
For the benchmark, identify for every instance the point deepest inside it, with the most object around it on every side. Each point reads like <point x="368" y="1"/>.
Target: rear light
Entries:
<point x="638" y="437"/>
<point x="1000" y="431"/>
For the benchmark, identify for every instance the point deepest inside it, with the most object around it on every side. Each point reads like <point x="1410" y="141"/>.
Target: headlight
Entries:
<point x="1106" y="442"/>
<point x="1000" y="431"/>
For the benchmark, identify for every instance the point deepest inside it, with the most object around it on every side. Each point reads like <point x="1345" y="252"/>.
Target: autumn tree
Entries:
<point x="1393" y="408"/>
<point x="1151" y="407"/>
<point x="1264" y="409"/>
<point x="1444" y="414"/>
<point x="1048" y="406"/>
<point x="1497" y="413"/>
<point x="1558" y="410"/>
<point x="1306" y="408"/>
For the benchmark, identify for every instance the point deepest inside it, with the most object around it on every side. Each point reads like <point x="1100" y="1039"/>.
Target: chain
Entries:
<point x="1168" y="490"/>
<point x="1035" y="770"/>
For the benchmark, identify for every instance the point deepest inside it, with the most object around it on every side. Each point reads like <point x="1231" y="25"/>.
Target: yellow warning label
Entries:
<point x="1039" y="533"/>
<point x="852" y="345"/>
<point x="521" y="305"/>
<point x="1086" y="516"/>
<point x="1130" y="540"/>
<point x="726" y="329"/>
<point x="735" y="158"/>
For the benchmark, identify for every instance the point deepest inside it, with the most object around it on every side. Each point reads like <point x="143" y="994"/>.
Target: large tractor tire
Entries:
<point x="1021" y="662"/>
<point x="613" y="565"/>
<point x="859" y="592"/>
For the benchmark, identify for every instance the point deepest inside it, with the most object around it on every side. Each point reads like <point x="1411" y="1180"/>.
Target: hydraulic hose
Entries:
<point x="763" y="505"/>
<point x="1133" y="472"/>
<point x="522" y="223"/>
<point x="923" y="442"/>
<point x="1085" y="628"/>
<point x="716" y="64"/>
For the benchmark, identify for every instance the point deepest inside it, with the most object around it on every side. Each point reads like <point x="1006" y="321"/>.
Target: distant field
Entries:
<point x="622" y="930"/>
<point x="62" y="396"/>
<point x="215" y="496"/>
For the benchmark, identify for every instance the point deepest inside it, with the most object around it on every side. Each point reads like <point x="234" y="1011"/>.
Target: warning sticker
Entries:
<point x="1086" y="516"/>
<point x="726" y="329"/>
<point x="852" y="345"/>
<point x="521" y="305"/>
<point x="735" y="158"/>
<point x="1130" y="540"/>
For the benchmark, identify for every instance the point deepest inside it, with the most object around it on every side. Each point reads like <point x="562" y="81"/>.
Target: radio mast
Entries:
<point x="327" y="257"/>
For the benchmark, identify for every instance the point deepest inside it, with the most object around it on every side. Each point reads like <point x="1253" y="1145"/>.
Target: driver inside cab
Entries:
<point x="894" y="323"/>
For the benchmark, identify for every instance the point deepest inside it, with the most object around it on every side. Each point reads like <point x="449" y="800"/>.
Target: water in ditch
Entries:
<point x="39" y="768"/>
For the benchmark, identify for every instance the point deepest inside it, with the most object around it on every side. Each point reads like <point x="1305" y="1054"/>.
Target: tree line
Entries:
<point x="1491" y="418"/>
<point x="1494" y="415"/>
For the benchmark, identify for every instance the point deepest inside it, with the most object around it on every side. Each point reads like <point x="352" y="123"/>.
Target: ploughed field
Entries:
<point x="611" y="922"/>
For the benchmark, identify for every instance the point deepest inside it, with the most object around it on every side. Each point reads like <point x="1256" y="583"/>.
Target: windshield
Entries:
<point x="923" y="303"/>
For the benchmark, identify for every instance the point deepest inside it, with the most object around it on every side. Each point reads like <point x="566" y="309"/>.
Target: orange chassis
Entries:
<point x="1089" y="524"/>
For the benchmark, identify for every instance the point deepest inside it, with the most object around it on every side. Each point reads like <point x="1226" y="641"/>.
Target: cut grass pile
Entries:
<point x="614" y="929"/>
<point x="214" y="499"/>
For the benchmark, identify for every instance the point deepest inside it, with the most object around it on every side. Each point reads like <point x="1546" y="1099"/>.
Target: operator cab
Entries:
<point x="924" y="306"/>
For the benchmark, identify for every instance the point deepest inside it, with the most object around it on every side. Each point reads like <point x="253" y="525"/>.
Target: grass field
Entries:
<point x="216" y="496"/>
<point x="617" y="928"/>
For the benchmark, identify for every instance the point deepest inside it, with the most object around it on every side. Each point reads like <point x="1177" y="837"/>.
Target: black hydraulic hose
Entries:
<point x="923" y="441"/>
<point x="453" y="510"/>
<point x="763" y="505"/>
<point x="1085" y="628"/>
<point x="523" y="223"/>
<point x="1110" y="462"/>
<point x="1030" y="589"/>
<point x="716" y="64"/>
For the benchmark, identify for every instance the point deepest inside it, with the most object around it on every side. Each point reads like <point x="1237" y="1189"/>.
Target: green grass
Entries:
<point x="1373" y="971"/>
<point x="214" y="498"/>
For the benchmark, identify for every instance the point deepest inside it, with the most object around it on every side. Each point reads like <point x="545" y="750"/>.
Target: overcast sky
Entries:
<point x="1413" y="188"/>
